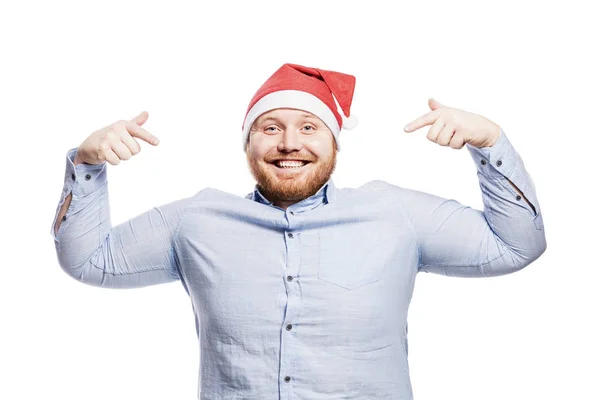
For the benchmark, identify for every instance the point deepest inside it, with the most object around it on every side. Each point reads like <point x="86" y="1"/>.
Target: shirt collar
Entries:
<point x="325" y="195"/>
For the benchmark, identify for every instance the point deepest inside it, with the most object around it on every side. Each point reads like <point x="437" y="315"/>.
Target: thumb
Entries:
<point x="141" y="118"/>
<point x="434" y="104"/>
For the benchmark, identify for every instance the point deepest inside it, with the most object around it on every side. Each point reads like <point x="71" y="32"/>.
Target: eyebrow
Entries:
<point x="304" y="115"/>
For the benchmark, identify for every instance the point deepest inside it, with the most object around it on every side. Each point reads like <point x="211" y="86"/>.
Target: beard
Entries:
<point x="292" y="189"/>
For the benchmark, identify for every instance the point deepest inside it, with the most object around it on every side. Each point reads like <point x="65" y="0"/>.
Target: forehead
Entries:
<point x="286" y="113"/>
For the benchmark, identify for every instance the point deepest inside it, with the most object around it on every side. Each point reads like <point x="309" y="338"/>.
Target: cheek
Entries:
<point x="321" y="147"/>
<point x="259" y="146"/>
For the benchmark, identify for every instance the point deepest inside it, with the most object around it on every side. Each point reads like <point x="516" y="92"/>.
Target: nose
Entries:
<point x="290" y="141"/>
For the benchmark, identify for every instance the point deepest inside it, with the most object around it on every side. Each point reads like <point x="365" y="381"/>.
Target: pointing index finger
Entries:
<point x="426" y="119"/>
<point x="139" y="132"/>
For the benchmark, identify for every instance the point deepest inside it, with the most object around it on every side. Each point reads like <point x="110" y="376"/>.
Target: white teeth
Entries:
<point x="288" y="164"/>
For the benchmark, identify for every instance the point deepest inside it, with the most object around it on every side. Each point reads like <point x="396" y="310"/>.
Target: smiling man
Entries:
<point x="291" y="154"/>
<point x="301" y="290"/>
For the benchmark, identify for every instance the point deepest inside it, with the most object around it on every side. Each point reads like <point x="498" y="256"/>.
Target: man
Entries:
<point x="301" y="289"/>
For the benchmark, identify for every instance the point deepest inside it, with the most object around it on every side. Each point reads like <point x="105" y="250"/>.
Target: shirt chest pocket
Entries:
<point x="351" y="261"/>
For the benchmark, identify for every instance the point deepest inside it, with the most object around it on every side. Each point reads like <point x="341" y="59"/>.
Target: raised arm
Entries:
<point x="457" y="240"/>
<point x="135" y="253"/>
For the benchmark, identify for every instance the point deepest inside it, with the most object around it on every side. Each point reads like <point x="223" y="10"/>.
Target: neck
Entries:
<point x="283" y="204"/>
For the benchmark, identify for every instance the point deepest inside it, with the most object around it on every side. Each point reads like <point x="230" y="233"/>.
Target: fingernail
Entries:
<point x="155" y="141"/>
<point x="406" y="127"/>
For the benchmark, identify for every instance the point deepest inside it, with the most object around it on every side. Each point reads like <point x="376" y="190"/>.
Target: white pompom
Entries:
<point x="350" y="122"/>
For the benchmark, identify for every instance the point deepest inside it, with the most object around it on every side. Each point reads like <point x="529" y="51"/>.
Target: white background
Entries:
<point x="69" y="69"/>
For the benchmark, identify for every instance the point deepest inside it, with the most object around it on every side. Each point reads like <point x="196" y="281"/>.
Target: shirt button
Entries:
<point x="287" y="379"/>
<point x="289" y="278"/>
<point x="499" y="162"/>
<point x="73" y="176"/>
<point x="290" y="235"/>
<point x="483" y="162"/>
<point x="518" y="197"/>
<point x="88" y="177"/>
<point x="289" y="327"/>
<point x="291" y="212"/>
<point x="64" y="217"/>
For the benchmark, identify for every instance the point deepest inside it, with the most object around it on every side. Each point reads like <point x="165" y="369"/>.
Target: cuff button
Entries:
<point x="518" y="197"/>
<point x="499" y="162"/>
<point x="483" y="162"/>
<point x="73" y="176"/>
<point x="88" y="177"/>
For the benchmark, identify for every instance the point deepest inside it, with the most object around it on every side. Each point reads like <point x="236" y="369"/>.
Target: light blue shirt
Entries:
<point x="309" y="302"/>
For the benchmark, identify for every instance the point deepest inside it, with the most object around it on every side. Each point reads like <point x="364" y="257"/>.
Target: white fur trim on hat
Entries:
<point x="291" y="99"/>
<point x="349" y="122"/>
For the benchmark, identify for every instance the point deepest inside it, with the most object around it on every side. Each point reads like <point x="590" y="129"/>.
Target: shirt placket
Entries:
<point x="290" y="328"/>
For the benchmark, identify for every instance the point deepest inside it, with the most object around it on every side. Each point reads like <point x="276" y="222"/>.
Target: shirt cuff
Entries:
<point x="80" y="180"/>
<point x="497" y="160"/>
<point x="83" y="179"/>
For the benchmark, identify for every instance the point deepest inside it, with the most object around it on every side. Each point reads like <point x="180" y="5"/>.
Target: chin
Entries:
<point x="292" y="185"/>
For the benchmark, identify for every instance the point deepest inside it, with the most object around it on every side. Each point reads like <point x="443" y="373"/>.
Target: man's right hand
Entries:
<point x="115" y="142"/>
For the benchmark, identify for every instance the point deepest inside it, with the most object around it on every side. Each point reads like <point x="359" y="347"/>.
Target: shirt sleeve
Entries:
<point x="136" y="253"/>
<point x="457" y="240"/>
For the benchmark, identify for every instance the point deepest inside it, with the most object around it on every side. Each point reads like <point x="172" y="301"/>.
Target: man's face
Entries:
<point x="290" y="134"/>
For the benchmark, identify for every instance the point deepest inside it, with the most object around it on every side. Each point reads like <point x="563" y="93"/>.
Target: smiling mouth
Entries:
<point x="282" y="164"/>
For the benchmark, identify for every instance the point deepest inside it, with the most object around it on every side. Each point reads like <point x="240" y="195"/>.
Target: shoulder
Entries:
<point x="384" y="190"/>
<point x="208" y="195"/>
<point x="380" y="188"/>
<point x="377" y="193"/>
<point x="211" y="197"/>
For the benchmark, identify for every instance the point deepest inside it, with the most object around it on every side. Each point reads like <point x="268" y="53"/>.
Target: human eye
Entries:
<point x="270" y="129"/>
<point x="308" y="126"/>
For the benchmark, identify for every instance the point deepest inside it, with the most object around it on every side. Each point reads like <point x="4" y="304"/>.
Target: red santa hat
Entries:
<point x="317" y="91"/>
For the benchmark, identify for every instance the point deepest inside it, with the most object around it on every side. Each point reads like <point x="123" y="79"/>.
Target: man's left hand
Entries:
<point x="455" y="128"/>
